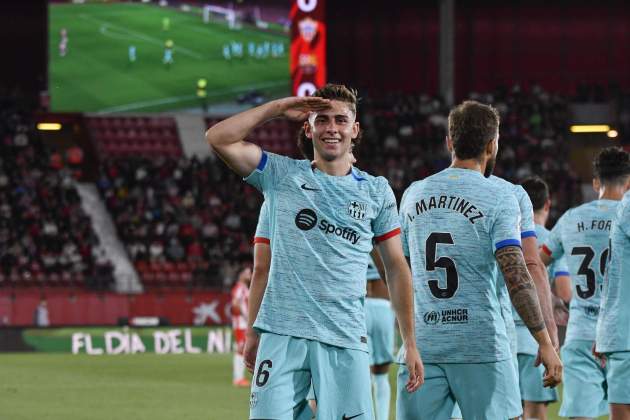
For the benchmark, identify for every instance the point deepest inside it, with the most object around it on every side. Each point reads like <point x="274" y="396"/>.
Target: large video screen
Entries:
<point x="156" y="56"/>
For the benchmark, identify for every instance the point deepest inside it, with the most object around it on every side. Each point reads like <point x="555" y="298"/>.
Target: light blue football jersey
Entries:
<point x="262" y="228"/>
<point x="322" y="230"/>
<point x="527" y="229"/>
<point x="581" y="236"/>
<point x="453" y="222"/>
<point x="613" y="325"/>
<point x="558" y="267"/>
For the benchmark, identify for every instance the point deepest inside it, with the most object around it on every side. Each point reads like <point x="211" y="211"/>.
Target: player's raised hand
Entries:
<point x="415" y="367"/>
<point x="298" y="108"/>
<point x="548" y="356"/>
<point x="251" y="349"/>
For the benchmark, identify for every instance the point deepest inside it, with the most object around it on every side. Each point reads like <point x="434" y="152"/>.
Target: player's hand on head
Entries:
<point x="299" y="108"/>
<point x="415" y="368"/>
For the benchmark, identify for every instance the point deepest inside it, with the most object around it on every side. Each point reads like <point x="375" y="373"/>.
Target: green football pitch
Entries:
<point x="152" y="387"/>
<point x="96" y="74"/>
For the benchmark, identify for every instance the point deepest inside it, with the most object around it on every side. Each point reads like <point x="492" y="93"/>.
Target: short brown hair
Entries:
<point x="471" y="126"/>
<point x="339" y="93"/>
<point x="333" y="92"/>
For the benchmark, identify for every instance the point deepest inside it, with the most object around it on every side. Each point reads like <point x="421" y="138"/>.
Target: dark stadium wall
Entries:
<point x="557" y="45"/>
<point x="384" y="46"/>
<point x="387" y="46"/>
<point x="23" y="29"/>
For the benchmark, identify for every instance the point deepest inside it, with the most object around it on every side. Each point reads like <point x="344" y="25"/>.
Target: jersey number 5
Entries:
<point x="452" y="278"/>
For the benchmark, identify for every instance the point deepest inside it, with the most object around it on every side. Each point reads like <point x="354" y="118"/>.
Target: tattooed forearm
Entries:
<point x="521" y="287"/>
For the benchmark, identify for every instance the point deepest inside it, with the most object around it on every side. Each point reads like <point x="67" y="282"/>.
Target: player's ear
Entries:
<point x="449" y="144"/>
<point x="307" y="130"/>
<point x="548" y="204"/>
<point x="596" y="184"/>
<point x="355" y="130"/>
<point x="490" y="148"/>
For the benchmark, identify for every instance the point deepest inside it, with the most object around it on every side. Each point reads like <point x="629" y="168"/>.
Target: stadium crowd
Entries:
<point x="45" y="236"/>
<point x="193" y="212"/>
<point x="403" y="139"/>
<point x="182" y="211"/>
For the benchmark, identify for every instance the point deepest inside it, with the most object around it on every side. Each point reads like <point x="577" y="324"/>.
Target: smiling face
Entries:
<point x="332" y="131"/>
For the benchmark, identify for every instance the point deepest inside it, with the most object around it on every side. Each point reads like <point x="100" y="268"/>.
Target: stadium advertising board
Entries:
<point x="112" y="341"/>
<point x="308" y="46"/>
<point x="166" y="55"/>
<point x="17" y="308"/>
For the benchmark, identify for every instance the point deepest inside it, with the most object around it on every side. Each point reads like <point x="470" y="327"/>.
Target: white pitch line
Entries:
<point x="142" y="36"/>
<point x="175" y="99"/>
<point x="143" y="104"/>
<point x="108" y="33"/>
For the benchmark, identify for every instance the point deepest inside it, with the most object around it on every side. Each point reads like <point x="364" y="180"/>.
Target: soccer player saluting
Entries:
<point x="262" y="262"/>
<point x="582" y="236"/>
<point x="535" y="396"/>
<point x="613" y="323"/>
<point x="323" y="220"/>
<point x="457" y="225"/>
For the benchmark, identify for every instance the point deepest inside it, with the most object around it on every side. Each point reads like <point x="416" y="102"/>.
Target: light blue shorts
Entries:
<point x="515" y="406"/>
<point x="585" y="389"/>
<point x="530" y="379"/>
<point x="379" y="320"/>
<point x="618" y="377"/>
<point x="284" y="368"/>
<point x="483" y="391"/>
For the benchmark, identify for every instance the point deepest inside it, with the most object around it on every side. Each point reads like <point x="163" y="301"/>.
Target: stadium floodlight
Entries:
<point x="612" y="134"/>
<point x="595" y="128"/>
<point x="49" y="126"/>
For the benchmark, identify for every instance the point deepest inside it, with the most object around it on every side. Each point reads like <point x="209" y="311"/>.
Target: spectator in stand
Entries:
<point x="43" y="230"/>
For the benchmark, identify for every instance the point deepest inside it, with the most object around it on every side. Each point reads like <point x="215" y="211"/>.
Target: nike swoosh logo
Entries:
<point x="304" y="187"/>
<point x="348" y="418"/>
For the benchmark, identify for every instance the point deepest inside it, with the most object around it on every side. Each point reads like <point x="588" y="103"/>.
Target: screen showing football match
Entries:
<point x="157" y="56"/>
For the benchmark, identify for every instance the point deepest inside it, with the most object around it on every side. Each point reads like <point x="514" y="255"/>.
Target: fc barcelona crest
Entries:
<point x="357" y="210"/>
<point x="308" y="29"/>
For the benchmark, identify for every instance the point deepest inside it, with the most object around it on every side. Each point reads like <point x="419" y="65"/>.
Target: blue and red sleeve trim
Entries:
<point x="263" y="161"/>
<point x="387" y="235"/>
<point x="261" y="240"/>
<point x="507" y="242"/>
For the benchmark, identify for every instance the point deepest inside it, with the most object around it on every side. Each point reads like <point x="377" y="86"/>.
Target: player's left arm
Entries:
<point x="525" y="300"/>
<point x="541" y="281"/>
<point x="563" y="288"/>
<point x="401" y="293"/>
<point x="378" y="263"/>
